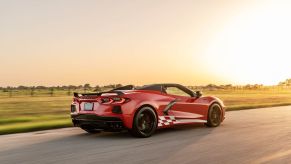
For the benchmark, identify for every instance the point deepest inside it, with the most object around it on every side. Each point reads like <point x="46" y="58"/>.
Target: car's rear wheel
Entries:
<point x="144" y="123"/>
<point x="214" y="115"/>
<point x="90" y="130"/>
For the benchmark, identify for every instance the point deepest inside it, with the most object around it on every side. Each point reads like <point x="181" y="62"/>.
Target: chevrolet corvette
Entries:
<point x="144" y="109"/>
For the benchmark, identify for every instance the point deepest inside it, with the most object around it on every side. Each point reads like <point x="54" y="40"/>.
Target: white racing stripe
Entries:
<point x="171" y="120"/>
<point x="190" y="121"/>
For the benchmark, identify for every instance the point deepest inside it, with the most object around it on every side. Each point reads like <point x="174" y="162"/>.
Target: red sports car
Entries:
<point x="143" y="110"/>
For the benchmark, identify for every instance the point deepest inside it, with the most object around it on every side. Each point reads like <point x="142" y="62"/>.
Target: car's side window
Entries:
<point x="176" y="91"/>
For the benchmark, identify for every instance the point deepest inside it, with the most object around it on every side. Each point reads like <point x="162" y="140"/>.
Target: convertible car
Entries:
<point x="143" y="110"/>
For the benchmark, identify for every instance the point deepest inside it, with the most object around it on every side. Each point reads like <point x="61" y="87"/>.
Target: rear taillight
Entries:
<point x="73" y="108"/>
<point x="114" y="100"/>
<point x="106" y="100"/>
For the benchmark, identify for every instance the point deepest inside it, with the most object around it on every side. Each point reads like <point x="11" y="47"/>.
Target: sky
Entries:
<point x="197" y="42"/>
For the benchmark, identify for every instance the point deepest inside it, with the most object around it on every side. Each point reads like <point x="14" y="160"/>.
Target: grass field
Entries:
<point x="23" y="113"/>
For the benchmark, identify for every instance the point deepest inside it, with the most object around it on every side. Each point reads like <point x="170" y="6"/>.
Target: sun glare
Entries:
<point x="253" y="47"/>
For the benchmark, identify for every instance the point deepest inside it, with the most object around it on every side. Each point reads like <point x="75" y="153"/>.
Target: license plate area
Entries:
<point x="88" y="106"/>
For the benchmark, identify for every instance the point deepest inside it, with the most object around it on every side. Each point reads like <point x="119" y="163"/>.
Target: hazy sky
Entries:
<point x="61" y="42"/>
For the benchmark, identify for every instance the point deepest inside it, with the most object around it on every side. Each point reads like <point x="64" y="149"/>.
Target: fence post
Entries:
<point x="32" y="92"/>
<point x="52" y="92"/>
<point x="69" y="91"/>
<point x="10" y="92"/>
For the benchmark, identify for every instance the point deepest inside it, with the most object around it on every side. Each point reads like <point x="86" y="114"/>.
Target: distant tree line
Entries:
<point x="228" y="86"/>
<point x="69" y="89"/>
<point x="88" y="87"/>
<point x="285" y="83"/>
<point x="64" y="87"/>
<point x="97" y="88"/>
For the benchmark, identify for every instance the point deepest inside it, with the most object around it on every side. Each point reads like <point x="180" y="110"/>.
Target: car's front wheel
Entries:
<point x="144" y="123"/>
<point x="214" y="115"/>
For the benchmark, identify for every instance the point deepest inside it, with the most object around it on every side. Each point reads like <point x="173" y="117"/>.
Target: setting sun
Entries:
<point x="253" y="46"/>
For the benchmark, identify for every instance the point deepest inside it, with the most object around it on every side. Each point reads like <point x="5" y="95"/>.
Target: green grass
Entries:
<point x="238" y="100"/>
<point x="34" y="126"/>
<point x="23" y="113"/>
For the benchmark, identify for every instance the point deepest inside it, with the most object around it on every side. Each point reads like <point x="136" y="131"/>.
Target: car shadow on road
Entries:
<point x="159" y="132"/>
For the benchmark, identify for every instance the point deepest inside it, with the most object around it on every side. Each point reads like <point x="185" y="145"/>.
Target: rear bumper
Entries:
<point x="97" y="122"/>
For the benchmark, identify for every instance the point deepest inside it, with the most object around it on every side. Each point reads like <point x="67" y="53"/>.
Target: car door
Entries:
<point x="183" y="107"/>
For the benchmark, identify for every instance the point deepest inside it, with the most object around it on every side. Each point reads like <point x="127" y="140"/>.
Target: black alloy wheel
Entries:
<point x="214" y="115"/>
<point x="144" y="123"/>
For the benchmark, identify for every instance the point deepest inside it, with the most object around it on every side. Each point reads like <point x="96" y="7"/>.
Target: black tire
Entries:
<point x="214" y="115"/>
<point x="144" y="123"/>
<point x="90" y="130"/>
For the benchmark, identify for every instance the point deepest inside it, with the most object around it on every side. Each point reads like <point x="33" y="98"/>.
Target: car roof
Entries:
<point x="161" y="87"/>
<point x="156" y="86"/>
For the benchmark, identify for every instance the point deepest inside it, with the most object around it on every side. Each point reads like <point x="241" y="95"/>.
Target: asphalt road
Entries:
<point x="248" y="136"/>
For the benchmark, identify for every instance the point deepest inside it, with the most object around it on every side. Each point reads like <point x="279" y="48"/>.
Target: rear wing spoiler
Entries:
<point x="97" y="94"/>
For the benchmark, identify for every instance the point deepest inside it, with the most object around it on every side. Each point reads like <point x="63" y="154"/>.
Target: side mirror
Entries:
<point x="198" y="94"/>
